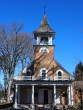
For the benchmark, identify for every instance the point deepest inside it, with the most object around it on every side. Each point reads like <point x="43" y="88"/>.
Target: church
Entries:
<point x="45" y="82"/>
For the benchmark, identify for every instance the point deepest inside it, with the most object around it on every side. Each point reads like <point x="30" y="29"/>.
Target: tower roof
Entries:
<point x="44" y="26"/>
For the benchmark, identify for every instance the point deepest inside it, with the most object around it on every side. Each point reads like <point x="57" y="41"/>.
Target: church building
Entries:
<point x="45" y="82"/>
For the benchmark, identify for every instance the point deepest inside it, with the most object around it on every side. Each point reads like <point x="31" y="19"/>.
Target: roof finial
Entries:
<point x="44" y="10"/>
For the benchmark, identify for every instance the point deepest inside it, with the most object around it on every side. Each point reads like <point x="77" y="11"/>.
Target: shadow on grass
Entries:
<point x="6" y="106"/>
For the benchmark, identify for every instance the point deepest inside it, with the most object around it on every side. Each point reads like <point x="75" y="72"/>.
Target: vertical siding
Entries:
<point x="41" y="96"/>
<point x="25" y="95"/>
<point x="49" y="96"/>
<point x="29" y="96"/>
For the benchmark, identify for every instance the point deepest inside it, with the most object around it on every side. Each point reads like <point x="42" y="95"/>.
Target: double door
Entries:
<point x="44" y="96"/>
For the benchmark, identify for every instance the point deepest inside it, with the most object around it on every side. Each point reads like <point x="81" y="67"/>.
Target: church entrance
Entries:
<point x="45" y="96"/>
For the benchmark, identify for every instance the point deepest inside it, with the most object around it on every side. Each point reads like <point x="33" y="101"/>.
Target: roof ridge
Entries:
<point x="62" y="67"/>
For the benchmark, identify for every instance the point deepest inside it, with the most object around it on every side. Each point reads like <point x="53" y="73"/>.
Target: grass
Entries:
<point x="6" y="106"/>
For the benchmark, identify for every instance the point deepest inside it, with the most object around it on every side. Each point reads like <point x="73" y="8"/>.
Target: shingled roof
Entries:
<point x="44" y="26"/>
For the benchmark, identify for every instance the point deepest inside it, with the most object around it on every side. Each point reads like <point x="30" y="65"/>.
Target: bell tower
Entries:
<point x="44" y="34"/>
<point x="44" y="49"/>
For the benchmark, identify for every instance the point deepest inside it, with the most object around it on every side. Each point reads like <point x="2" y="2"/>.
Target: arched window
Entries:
<point x="43" y="50"/>
<point x="59" y="74"/>
<point x="43" y="73"/>
<point x="29" y="72"/>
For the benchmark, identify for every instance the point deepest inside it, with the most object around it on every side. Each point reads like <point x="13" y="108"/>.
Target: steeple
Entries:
<point x="44" y="21"/>
<point x="44" y="32"/>
<point x="44" y="27"/>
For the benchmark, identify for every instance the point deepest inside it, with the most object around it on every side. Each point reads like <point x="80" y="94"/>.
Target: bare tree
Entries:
<point x="0" y="86"/>
<point x="1" y="91"/>
<point x="15" y="47"/>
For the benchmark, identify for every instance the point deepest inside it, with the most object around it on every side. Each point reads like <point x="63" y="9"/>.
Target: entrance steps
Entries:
<point x="47" y="107"/>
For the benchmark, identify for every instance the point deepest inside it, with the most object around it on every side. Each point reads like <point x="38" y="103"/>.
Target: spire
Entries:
<point x="44" y="26"/>
<point x="44" y="21"/>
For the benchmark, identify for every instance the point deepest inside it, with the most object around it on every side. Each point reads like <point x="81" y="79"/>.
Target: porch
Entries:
<point x="43" y="95"/>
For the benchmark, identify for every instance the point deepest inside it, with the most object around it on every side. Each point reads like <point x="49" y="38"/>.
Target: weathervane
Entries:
<point x="44" y="10"/>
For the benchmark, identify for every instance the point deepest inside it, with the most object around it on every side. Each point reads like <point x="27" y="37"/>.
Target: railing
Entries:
<point x="51" y="78"/>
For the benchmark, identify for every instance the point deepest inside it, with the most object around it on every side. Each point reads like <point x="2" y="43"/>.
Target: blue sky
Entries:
<point x="65" y="18"/>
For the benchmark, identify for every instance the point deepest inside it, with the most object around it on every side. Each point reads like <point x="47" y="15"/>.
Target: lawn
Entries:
<point x="6" y="106"/>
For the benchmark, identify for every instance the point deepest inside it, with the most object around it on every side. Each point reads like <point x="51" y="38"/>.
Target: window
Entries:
<point x="43" y="73"/>
<point x="29" y="72"/>
<point x="43" y="50"/>
<point x="59" y="74"/>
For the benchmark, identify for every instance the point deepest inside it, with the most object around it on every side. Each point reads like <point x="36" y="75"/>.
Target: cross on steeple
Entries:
<point x="44" y="10"/>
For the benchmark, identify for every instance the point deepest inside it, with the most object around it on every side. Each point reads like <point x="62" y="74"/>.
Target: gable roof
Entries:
<point x="23" y="73"/>
<point x="63" y="68"/>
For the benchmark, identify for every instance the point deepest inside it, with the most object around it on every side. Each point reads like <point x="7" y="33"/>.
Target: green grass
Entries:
<point x="6" y="106"/>
<point x="4" y="103"/>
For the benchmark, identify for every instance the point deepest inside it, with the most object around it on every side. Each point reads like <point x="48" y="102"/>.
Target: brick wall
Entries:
<point x="45" y="60"/>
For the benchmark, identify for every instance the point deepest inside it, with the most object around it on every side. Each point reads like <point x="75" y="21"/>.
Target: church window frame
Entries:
<point x="43" y="50"/>
<point x="43" y="73"/>
<point x="59" y="74"/>
<point x="29" y="72"/>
